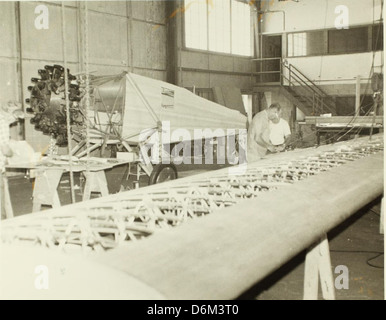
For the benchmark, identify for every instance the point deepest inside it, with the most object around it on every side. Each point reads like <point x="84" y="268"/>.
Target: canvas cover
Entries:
<point x="147" y="102"/>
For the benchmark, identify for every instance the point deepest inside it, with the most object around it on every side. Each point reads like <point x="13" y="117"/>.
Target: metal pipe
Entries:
<point x="67" y="103"/>
<point x="358" y="95"/>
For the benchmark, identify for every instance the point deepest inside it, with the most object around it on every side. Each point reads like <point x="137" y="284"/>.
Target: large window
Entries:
<point x="241" y="29"/>
<point x="219" y="26"/>
<point x="306" y="44"/>
<point x="334" y="41"/>
<point x="348" y="40"/>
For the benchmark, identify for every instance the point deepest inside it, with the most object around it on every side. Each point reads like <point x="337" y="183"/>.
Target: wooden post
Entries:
<point x="7" y="199"/>
<point x="382" y="222"/>
<point x="318" y="265"/>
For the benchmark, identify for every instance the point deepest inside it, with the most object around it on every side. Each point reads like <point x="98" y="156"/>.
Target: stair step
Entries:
<point x="307" y="102"/>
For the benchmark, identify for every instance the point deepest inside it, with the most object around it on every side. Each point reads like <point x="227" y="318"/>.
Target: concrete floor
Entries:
<point x="356" y="244"/>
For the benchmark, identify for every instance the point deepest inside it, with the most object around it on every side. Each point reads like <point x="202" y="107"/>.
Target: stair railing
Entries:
<point x="300" y="83"/>
<point x="297" y="82"/>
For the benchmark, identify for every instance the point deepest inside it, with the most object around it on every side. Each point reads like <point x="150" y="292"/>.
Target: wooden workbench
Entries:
<point x="338" y="130"/>
<point x="49" y="171"/>
<point x="338" y="126"/>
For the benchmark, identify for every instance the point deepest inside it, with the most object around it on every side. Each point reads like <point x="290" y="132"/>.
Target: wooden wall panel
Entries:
<point x="46" y="44"/>
<point x="7" y="30"/>
<point x="8" y="80"/>
<point x="111" y="7"/>
<point x="151" y="11"/>
<point x="107" y="39"/>
<point x="191" y="59"/>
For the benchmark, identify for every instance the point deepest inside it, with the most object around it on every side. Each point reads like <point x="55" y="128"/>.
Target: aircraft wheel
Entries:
<point x="162" y="173"/>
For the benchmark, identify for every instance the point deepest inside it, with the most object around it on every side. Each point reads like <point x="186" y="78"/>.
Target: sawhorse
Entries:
<point x="47" y="181"/>
<point x="382" y="221"/>
<point x="5" y="198"/>
<point x="95" y="182"/>
<point x="48" y="175"/>
<point x="45" y="188"/>
<point x="318" y="266"/>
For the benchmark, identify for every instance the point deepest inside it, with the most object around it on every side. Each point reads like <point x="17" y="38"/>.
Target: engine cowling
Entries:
<point x="47" y="102"/>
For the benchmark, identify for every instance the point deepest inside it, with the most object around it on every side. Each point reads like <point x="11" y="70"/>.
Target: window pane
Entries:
<point x="241" y="28"/>
<point x="306" y="44"/>
<point x="210" y="26"/>
<point x="316" y="43"/>
<point x="297" y="44"/>
<point x="196" y="24"/>
<point x="378" y="37"/>
<point x="348" y="40"/>
<point x="219" y="26"/>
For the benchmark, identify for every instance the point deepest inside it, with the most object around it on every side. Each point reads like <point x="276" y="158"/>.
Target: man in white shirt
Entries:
<point x="260" y="139"/>
<point x="280" y="133"/>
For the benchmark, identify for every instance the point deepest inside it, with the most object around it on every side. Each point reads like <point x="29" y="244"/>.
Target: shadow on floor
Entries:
<point x="356" y="243"/>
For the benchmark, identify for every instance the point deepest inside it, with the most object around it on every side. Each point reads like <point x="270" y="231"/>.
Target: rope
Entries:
<point x="67" y="105"/>
<point x="87" y="82"/>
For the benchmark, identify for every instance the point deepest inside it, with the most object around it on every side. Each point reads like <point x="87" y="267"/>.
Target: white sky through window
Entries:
<point x="219" y="26"/>
<point x="196" y="26"/>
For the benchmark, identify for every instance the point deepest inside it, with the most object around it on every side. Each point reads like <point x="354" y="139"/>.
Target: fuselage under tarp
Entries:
<point x="136" y="106"/>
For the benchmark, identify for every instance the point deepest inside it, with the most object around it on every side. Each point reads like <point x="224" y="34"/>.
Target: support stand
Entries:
<point x="382" y="222"/>
<point x="5" y="199"/>
<point x="45" y="189"/>
<point x="95" y="182"/>
<point x="318" y="266"/>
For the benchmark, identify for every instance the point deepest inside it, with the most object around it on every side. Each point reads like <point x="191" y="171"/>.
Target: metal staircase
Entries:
<point x="296" y="87"/>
